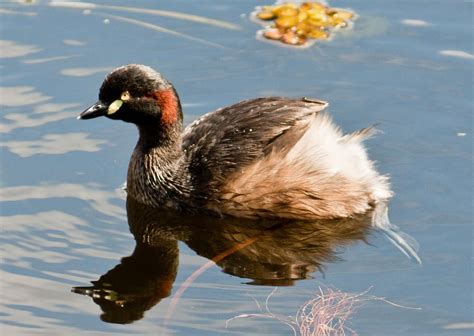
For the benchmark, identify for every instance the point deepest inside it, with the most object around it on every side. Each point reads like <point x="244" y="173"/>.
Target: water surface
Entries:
<point x="406" y="66"/>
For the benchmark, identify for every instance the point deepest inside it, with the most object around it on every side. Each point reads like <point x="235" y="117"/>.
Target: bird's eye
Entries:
<point x="125" y="96"/>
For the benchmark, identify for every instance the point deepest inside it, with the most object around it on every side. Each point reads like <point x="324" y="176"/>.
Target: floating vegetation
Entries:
<point x="328" y="313"/>
<point x="301" y="24"/>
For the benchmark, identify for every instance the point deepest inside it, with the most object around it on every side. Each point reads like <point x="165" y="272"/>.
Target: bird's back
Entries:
<point x="227" y="140"/>
<point x="280" y="157"/>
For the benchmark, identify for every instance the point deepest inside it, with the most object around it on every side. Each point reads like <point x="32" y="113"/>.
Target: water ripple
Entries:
<point x="11" y="49"/>
<point x="54" y="144"/>
<point x="100" y="200"/>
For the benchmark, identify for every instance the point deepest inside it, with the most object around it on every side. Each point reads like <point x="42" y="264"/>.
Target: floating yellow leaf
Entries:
<point x="273" y="34"/>
<point x="286" y="21"/>
<point x="266" y="15"/>
<point x="297" y="24"/>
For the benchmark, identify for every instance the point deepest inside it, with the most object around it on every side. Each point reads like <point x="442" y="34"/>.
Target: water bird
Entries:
<point x="262" y="158"/>
<point x="270" y="157"/>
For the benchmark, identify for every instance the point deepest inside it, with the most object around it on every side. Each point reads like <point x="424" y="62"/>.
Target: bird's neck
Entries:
<point x="156" y="165"/>
<point x="164" y="131"/>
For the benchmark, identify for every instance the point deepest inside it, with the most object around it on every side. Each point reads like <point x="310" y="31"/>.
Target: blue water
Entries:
<point x="63" y="213"/>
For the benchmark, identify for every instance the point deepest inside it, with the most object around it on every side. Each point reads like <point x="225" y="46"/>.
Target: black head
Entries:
<point x="137" y="94"/>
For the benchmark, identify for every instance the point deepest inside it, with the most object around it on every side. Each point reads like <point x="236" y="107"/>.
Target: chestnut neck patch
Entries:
<point x="168" y="103"/>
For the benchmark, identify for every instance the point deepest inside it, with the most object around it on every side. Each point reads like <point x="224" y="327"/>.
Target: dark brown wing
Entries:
<point x="228" y="139"/>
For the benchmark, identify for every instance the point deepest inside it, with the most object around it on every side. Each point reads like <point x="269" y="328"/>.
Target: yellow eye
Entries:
<point x="125" y="96"/>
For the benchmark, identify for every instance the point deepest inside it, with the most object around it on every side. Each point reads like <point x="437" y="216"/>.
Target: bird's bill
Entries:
<point x="97" y="110"/>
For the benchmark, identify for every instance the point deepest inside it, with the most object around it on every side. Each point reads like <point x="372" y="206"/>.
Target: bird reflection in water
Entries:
<point x="274" y="253"/>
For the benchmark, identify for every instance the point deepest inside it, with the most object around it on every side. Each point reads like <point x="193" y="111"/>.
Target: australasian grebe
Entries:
<point x="267" y="157"/>
<point x="264" y="157"/>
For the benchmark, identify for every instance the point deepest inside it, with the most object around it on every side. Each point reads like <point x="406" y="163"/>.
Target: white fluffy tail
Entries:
<point x="404" y="242"/>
